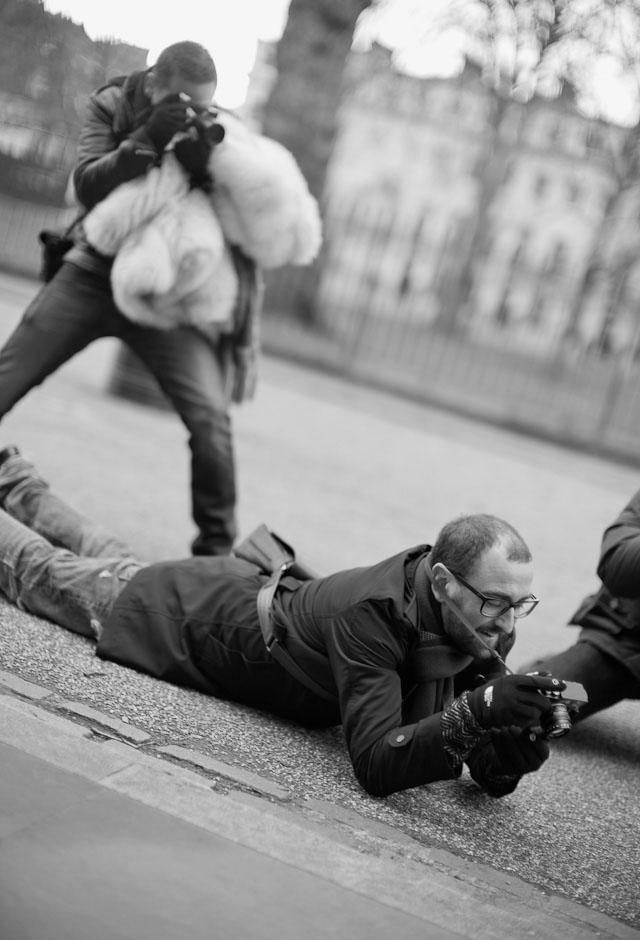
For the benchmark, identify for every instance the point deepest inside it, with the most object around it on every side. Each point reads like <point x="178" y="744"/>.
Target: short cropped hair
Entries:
<point x="463" y="540"/>
<point x="187" y="59"/>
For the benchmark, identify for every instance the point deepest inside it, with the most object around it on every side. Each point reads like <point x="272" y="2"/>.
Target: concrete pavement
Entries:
<point x="99" y="839"/>
<point x="349" y="476"/>
<point x="79" y="859"/>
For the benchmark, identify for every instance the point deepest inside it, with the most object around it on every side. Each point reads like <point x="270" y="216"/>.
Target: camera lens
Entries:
<point x="557" y="722"/>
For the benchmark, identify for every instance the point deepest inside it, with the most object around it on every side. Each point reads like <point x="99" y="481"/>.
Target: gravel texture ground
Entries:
<point x="349" y="476"/>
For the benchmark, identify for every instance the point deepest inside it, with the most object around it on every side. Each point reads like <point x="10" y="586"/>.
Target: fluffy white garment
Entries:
<point x="262" y="199"/>
<point x="172" y="261"/>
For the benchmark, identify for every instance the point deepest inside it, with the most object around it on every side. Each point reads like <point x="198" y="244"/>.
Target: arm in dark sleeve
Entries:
<point x="104" y="161"/>
<point x="365" y="656"/>
<point x="619" y="566"/>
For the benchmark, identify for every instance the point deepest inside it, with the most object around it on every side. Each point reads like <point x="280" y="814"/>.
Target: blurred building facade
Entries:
<point x="480" y="252"/>
<point x="434" y="174"/>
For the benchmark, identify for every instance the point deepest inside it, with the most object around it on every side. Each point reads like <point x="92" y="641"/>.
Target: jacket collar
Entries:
<point x="135" y="104"/>
<point x="435" y="656"/>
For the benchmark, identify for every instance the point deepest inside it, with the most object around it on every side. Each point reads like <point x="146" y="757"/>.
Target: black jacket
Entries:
<point x="362" y="634"/>
<point x="113" y="142"/>
<point x="610" y="618"/>
<point x="113" y="149"/>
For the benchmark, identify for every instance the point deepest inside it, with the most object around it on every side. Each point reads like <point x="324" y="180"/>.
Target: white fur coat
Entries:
<point x="171" y="243"/>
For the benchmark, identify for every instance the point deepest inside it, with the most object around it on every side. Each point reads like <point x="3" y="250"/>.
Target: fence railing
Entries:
<point x="510" y="358"/>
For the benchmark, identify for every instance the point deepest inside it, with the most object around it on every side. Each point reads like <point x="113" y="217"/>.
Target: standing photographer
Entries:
<point x="401" y="653"/>
<point x="129" y="123"/>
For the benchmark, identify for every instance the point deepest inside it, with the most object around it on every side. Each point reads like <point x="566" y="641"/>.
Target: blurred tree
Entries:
<point x="310" y="57"/>
<point x="301" y="113"/>
<point x="616" y="251"/>
<point x="48" y="68"/>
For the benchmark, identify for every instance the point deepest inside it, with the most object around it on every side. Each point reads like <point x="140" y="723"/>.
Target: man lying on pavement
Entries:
<point x="407" y="654"/>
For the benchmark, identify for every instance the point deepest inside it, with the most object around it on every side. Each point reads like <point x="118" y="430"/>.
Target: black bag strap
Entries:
<point x="51" y="237"/>
<point x="272" y="641"/>
<point x="78" y="219"/>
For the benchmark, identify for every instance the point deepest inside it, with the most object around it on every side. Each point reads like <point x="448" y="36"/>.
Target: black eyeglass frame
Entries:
<point x="531" y="599"/>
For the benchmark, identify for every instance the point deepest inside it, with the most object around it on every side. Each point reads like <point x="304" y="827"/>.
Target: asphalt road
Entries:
<point x="349" y="476"/>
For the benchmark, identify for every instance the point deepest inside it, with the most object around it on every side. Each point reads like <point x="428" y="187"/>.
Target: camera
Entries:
<point x="205" y="121"/>
<point x="557" y="721"/>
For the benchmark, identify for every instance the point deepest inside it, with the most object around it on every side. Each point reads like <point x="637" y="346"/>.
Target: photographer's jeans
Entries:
<point x="75" y="309"/>
<point x="54" y="562"/>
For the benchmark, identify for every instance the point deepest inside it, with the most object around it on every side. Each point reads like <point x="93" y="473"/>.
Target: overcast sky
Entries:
<point x="230" y="30"/>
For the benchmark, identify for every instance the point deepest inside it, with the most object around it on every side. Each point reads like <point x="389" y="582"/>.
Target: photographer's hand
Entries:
<point x="167" y="118"/>
<point x="512" y="700"/>
<point x="499" y="760"/>
<point x="519" y="752"/>
<point x="193" y="151"/>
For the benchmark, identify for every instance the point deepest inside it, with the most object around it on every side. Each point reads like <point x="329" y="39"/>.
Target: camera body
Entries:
<point x="557" y="721"/>
<point x="205" y="122"/>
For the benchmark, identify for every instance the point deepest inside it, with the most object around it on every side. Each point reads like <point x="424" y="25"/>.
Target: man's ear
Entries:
<point x="150" y="84"/>
<point x="441" y="580"/>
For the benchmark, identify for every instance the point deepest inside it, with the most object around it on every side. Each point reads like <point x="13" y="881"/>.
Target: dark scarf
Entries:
<point x="435" y="661"/>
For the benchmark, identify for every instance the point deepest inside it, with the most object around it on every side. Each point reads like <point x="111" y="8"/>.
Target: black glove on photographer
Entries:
<point x="193" y="150"/>
<point x="498" y="762"/>
<point x="167" y="118"/>
<point x="512" y="700"/>
<point x="519" y="751"/>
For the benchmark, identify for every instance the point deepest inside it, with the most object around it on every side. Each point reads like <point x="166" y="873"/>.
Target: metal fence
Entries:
<point x="509" y="359"/>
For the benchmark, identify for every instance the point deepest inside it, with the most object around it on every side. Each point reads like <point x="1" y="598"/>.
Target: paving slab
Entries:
<point x="78" y="860"/>
<point x="147" y="849"/>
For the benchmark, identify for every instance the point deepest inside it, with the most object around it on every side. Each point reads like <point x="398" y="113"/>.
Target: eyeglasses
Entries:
<point x="497" y="606"/>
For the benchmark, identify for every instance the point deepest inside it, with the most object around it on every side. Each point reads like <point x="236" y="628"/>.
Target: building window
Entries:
<point x="540" y="185"/>
<point x="573" y="191"/>
<point x="557" y="260"/>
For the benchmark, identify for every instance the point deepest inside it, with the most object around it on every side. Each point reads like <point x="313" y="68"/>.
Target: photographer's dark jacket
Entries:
<point x="371" y="636"/>
<point x="111" y="151"/>
<point x="115" y="148"/>
<point x="610" y="619"/>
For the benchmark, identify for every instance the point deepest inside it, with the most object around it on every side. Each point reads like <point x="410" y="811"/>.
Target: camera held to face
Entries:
<point x="205" y="122"/>
<point x="556" y="722"/>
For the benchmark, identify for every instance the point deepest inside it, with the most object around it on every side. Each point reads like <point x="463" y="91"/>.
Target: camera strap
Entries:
<point x="274" y="637"/>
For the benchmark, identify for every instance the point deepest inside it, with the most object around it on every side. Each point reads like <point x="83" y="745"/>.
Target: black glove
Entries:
<point x="167" y="118"/>
<point x="497" y="763"/>
<point x="518" y="752"/>
<point x="512" y="700"/>
<point x="135" y="159"/>
<point x="193" y="151"/>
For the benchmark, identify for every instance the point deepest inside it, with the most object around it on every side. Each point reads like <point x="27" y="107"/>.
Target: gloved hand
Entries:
<point x="167" y="118"/>
<point x="518" y="752"/>
<point x="135" y="159"/>
<point x="193" y="151"/>
<point x="512" y="700"/>
<point x="502" y="757"/>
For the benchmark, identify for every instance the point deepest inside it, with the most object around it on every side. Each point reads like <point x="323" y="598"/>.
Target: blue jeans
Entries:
<point x="54" y="562"/>
<point x="75" y="309"/>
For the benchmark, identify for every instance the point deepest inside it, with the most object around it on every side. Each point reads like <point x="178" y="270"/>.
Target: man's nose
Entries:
<point x="506" y="621"/>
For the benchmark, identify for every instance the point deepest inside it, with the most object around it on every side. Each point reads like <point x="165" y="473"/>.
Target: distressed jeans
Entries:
<point x="54" y="562"/>
<point x="75" y="309"/>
